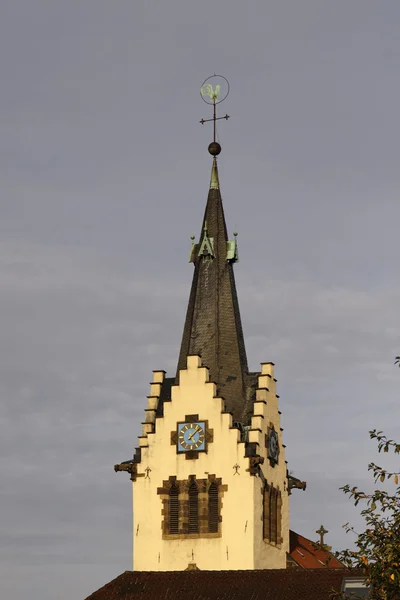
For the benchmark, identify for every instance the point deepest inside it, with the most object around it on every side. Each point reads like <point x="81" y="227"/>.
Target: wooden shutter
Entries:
<point x="213" y="512"/>
<point x="174" y="509"/>
<point x="193" y="508"/>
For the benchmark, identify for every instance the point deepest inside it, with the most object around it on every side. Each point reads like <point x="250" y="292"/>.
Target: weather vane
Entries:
<point x="215" y="97"/>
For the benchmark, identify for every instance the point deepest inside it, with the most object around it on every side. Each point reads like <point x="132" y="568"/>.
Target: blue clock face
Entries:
<point x="192" y="436"/>
<point x="273" y="446"/>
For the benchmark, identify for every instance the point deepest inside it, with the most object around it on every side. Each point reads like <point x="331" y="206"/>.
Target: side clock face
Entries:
<point x="273" y="446"/>
<point x="191" y="436"/>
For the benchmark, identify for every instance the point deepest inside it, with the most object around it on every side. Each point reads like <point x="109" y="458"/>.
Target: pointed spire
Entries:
<point x="213" y="327"/>
<point x="214" y="183"/>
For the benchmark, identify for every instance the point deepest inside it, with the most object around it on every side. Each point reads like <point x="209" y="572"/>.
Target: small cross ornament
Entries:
<point x="321" y="532"/>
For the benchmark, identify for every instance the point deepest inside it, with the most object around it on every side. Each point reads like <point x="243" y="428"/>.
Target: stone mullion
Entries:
<point x="221" y="490"/>
<point x="165" y="514"/>
<point x="184" y="512"/>
<point x="203" y="512"/>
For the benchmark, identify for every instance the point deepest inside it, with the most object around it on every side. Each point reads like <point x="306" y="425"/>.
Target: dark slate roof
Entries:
<point x="272" y="584"/>
<point x="213" y="328"/>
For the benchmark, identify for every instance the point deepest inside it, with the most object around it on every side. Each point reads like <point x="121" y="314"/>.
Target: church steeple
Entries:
<point x="210" y="482"/>
<point x="213" y="327"/>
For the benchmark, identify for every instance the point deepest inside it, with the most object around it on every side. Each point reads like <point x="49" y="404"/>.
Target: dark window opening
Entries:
<point x="272" y="516"/>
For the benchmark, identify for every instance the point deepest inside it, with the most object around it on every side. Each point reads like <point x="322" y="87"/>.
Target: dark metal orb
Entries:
<point x="214" y="148"/>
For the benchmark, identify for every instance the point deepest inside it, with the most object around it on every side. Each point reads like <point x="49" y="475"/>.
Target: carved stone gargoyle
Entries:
<point x="296" y="483"/>
<point x="129" y="466"/>
<point x="255" y="462"/>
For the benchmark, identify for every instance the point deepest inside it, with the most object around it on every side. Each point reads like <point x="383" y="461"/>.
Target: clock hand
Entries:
<point x="193" y="432"/>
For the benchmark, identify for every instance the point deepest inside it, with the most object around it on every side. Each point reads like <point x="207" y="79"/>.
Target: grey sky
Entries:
<point x="104" y="175"/>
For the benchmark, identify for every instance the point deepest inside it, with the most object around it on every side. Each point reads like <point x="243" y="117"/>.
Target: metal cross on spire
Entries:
<point x="214" y="94"/>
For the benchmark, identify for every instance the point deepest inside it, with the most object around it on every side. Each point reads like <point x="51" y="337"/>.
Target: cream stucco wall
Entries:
<point x="241" y="545"/>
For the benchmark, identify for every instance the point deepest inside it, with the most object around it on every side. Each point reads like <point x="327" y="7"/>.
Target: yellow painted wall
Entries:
<point x="241" y="545"/>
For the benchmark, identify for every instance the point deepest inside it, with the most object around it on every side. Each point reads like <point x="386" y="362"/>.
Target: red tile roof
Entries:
<point x="308" y="556"/>
<point x="272" y="584"/>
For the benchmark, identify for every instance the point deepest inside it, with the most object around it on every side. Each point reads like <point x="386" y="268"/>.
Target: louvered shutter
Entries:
<point x="193" y="509"/>
<point x="174" y="509"/>
<point x="266" y="515"/>
<point x="213" y="516"/>
<point x="273" y="514"/>
<point x="279" y="518"/>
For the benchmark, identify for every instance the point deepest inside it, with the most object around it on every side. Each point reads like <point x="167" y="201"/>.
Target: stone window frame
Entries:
<point x="272" y="515"/>
<point x="203" y="486"/>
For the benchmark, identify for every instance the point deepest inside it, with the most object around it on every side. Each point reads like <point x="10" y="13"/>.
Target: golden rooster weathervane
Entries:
<point x="214" y="94"/>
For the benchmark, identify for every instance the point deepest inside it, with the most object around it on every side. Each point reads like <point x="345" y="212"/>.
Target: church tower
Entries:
<point x="209" y="478"/>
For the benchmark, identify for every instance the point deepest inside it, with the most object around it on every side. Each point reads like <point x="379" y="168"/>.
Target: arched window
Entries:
<point x="213" y="516"/>
<point x="272" y="514"/>
<point x="193" y="508"/>
<point x="266" y="529"/>
<point x="174" y="509"/>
